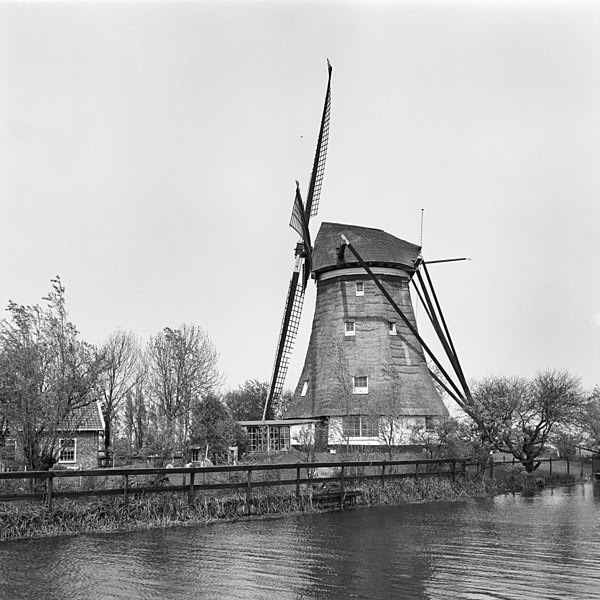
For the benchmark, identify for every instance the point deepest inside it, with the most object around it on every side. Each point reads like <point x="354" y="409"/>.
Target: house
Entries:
<point x="81" y="447"/>
<point x="78" y="449"/>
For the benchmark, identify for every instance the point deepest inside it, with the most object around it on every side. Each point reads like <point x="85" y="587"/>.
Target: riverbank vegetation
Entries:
<point x="67" y="517"/>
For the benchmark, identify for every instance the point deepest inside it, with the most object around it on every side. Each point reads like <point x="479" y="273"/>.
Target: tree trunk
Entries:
<point x="107" y="434"/>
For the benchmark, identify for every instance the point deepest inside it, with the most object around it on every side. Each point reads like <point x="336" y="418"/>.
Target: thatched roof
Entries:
<point x="375" y="246"/>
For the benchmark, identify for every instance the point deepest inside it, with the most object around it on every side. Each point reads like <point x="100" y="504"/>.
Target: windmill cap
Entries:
<point x="375" y="246"/>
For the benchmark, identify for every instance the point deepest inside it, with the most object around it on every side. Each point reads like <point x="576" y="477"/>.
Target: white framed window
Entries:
<point x="67" y="450"/>
<point x="360" y="288"/>
<point x="360" y="426"/>
<point x="392" y="328"/>
<point x="360" y="384"/>
<point x="349" y="328"/>
<point x="304" y="388"/>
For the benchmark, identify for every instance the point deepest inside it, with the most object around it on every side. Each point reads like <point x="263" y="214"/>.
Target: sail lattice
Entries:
<point x="287" y="337"/>
<point x="321" y="156"/>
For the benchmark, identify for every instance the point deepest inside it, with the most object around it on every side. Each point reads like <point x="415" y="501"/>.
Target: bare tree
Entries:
<point x="388" y="409"/>
<point x="135" y="418"/>
<point x="518" y="416"/>
<point x="589" y="420"/>
<point x="182" y="368"/>
<point x="120" y="375"/>
<point x="304" y="440"/>
<point x="47" y="373"/>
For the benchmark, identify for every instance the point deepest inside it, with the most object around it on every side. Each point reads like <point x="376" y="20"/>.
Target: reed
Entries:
<point x="408" y="491"/>
<point x="26" y="520"/>
<point x="21" y="520"/>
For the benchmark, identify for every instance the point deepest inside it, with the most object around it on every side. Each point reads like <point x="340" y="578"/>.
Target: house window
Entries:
<point x="257" y="439"/>
<point x="392" y="328"/>
<point x="360" y="288"/>
<point x="360" y="426"/>
<point x="360" y="385"/>
<point x="304" y="388"/>
<point x="67" y="450"/>
<point x="429" y="423"/>
<point x="279" y="438"/>
<point x="350" y="328"/>
<point x="264" y="438"/>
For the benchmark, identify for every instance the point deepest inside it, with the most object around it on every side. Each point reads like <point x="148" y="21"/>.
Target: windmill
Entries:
<point x="365" y="352"/>
<point x="366" y="361"/>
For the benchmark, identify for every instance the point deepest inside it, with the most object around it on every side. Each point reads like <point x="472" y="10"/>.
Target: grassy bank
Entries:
<point x="67" y="517"/>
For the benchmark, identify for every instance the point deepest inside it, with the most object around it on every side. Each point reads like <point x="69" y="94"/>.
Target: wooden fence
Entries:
<point x="245" y="478"/>
<point x="342" y="476"/>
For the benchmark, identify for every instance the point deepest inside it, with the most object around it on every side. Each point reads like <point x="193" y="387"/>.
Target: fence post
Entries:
<point x="298" y="482"/>
<point x="191" y="490"/>
<point x="125" y="487"/>
<point x="550" y="466"/>
<point x="581" y="473"/>
<point x="416" y="471"/>
<point x="49" y="486"/>
<point x="248" y="491"/>
<point x="568" y="466"/>
<point x="453" y="470"/>
<point x="342" y="488"/>
<point x="382" y="475"/>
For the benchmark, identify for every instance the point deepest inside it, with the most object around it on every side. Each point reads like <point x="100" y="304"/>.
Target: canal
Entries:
<point x="545" y="546"/>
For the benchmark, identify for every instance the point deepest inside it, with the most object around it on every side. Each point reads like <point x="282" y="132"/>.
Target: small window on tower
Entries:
<point x="304" y="388"/>
<point x="360" y="288"/>
<point x="349" y="328"/>
<point x="360" y="385"/>
<point x="392" y="328"/>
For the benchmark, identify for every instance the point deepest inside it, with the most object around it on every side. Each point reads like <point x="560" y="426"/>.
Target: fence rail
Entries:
<point x="125" y="482"/>
<point x="246" y="478"/>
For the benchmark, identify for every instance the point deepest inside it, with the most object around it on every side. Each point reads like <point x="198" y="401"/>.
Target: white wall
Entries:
<point x="402" y="429"/>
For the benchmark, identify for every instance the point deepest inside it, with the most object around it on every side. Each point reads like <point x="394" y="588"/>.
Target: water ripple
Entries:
<point x="544" y="547"/>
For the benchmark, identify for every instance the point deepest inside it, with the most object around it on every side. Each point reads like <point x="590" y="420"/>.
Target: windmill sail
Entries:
<point x="316" y="179"/>
<point x="299" y="222"/>
<point x="287" y="336"/>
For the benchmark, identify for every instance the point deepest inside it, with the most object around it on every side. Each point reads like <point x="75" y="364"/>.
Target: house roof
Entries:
<point x="375" y="246"/>
<point x="277" y="422"/>
<point x="88" y="418"/>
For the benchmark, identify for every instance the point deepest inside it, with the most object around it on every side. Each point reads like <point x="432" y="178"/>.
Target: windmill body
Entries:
<point x="363" y="366"/>
<point x="365" y="371"/>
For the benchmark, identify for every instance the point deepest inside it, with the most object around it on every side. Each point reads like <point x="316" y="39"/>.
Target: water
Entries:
<point x="541" y="547"/>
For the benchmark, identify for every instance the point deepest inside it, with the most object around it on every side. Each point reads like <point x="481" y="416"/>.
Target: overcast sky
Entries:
<point x="148" y="153"/>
